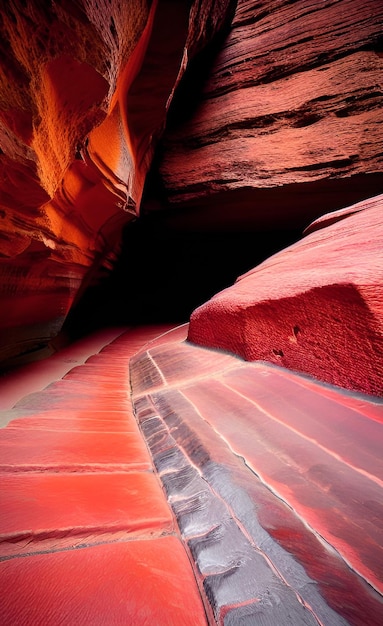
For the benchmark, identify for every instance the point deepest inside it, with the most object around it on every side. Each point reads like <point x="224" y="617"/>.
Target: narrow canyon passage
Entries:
<point x="191" y="313"/>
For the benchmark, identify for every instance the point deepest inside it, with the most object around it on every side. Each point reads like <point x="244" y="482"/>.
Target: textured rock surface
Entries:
<point x="84" y="536"/>
<point x="276" y="499"/>
<point x="316" y="307"/>
<point x="84" y="93"/>
<point x="180" y="485"/>
<point x="184" y="485"/>
<point x="288" y="125"/>
<point x="279" y="128"/>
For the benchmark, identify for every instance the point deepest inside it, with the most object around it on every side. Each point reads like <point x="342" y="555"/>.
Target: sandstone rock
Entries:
<point x="289" y="120"/>
<point x="84" y="93"/>
<point x="315" y="307"/>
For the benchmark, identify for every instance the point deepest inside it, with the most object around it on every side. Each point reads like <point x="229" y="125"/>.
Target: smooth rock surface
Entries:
<point x="84" y="95"/>
<point x="275" y="482"/>
<point x="258" y="501"/>
<point x="86" y="533"/>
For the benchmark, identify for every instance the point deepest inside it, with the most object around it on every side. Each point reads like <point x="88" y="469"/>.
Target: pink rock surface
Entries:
<point x="86" y="451"/>
<point x="86" y="532"/>
<point x="235" y="492"/>
<point x="140" y="582"/>
<point x="251" y="454"/>
<point x="315" y="307"/>
<point x="72" y="503"/>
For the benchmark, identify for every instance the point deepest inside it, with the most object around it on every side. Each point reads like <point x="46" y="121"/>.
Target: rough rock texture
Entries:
<point x="288" y="125"/>
<point x="159" y="481"/>
<point x="84" y="93"/>
<point x="316" y="307"/>
<point x="113" y="113"/>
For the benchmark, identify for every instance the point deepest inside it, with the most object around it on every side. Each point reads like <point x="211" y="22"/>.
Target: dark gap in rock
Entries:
<point x="172" y="261"/>
<point x="163" y="274"/>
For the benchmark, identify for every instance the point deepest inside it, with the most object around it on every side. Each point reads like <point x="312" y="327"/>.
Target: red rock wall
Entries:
<point x="288" y="128"/>
<point x="84" y="93"/>
<point x="289" y="121"/>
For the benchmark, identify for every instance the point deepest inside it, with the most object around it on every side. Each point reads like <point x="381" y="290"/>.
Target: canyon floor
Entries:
<point x="145" y="480"/>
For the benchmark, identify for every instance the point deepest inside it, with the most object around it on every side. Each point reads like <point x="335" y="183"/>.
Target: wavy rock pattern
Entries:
<point x="84" y="521"/>
<point x="160" y="482"/>
<point x="84" y="94"/>
<point x="275" y="498"/>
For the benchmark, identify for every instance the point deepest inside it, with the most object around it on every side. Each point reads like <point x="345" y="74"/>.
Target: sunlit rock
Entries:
<point x="84" y="92"/>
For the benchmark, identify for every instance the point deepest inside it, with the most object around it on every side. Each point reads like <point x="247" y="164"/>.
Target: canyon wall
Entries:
<point x="84" y="93"/>
<point x="289" y="121"/>
<point x="249" y="119"/>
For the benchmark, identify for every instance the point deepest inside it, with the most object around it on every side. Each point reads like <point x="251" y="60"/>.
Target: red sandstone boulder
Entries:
<point x="316" y="307"/>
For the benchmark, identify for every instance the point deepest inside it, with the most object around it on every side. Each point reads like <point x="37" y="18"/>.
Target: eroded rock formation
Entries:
<point x="157" y="114"/>
<point x="288" y="125"/>
<point x="84" y="94"/>
<point x="150" y="155"/>
<point x="308" y="308"/>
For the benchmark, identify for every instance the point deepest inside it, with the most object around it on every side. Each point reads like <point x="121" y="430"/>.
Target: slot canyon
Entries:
<point x="191" y="312"/>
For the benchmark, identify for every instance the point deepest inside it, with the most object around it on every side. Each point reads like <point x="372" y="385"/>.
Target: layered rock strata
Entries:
<point x="288" y="125"/>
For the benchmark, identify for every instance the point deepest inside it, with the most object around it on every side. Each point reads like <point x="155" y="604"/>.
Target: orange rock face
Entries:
<point x="84" y="94"/>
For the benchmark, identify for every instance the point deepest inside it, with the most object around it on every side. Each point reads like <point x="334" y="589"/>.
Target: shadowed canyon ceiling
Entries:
<point x="154" y="151"/>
